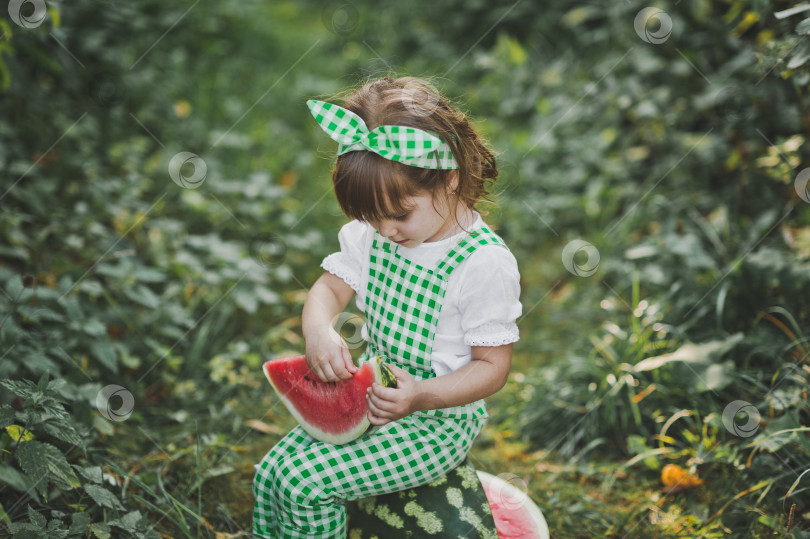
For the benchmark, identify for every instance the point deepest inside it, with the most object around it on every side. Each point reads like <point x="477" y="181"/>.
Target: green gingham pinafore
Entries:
<point x="301" y="483"/>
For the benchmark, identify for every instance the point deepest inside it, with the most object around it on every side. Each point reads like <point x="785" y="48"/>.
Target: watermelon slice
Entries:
<point x="334" y="412"/>
<point x="516" y="515"/>
<point x="463" y="503"/>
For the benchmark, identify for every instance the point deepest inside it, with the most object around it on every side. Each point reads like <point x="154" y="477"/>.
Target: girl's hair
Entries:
<point x="369" y="187"/>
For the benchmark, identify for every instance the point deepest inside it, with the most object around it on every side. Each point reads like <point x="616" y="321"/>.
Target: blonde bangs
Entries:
<point x="371" y="188"/>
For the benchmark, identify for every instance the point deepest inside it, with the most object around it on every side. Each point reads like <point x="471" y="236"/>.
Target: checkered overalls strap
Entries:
<point x="404" y="299"/>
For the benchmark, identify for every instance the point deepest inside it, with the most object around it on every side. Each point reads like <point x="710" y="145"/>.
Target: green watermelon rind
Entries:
<point x="493" y="483"/>
<point x="452" y="506"/>
<point x="337" y="439"/>
<point x="389" y="379"/>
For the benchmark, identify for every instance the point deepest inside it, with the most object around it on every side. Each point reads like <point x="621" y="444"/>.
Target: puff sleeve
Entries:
<point x="489" y="299"/>
<point x="348" y="262"/>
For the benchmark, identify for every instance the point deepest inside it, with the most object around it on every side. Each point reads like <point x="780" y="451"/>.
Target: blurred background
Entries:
<point x="165" y="201"/>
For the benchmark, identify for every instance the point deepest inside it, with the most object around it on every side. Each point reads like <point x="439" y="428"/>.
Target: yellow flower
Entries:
<point x="182" y="108"/>
<point x="676" y="479"/>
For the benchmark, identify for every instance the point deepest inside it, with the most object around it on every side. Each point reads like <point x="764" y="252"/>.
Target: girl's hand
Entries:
<point x="386" y="404"/>
<point x="329" y="357"/>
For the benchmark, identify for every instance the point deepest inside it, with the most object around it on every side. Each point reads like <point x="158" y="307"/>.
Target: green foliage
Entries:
<point x="675" y="160"/>
<point x="116" y="275"/>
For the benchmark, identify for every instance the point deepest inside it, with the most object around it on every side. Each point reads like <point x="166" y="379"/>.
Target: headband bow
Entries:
<point x="406" y="145"/>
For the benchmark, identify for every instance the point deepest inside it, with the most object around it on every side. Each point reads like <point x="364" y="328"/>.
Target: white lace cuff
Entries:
<point x="335" y="264"/>
<point x="494" y="334"/>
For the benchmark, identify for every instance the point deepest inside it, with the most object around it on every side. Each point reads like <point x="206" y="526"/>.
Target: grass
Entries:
<point x="201" y="485"/>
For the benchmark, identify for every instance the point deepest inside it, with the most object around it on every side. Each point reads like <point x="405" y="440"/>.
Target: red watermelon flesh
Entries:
<point x="334" y="412"/>
<point x="516" y="515"/>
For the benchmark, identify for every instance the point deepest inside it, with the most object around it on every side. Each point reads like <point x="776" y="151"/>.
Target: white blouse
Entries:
<point x="481" y="303"/>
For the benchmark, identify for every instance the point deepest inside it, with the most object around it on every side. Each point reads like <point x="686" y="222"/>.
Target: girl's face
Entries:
<point x="426" y="220"/>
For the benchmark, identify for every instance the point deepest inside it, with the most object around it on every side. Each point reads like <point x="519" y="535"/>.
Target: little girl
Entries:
<point x="439" y="291"/>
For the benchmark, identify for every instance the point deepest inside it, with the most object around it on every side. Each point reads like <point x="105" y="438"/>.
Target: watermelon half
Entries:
<point x="516" y="515"/>
<point x="464" y="503"/>
<point x="334" y="412"/>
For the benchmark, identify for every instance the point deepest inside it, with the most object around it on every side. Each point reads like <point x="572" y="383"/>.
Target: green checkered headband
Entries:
<point x="406" y="145"/>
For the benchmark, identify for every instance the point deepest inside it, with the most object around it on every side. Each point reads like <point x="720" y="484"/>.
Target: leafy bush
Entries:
<point x="118" y="277"/>
<point x="675" y="161"/>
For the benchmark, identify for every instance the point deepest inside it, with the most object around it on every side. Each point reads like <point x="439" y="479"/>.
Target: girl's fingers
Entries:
<point x="377" y="421"/>
<point x="343" y="371"/>
<point x="379" y="404"/>
<point x="347" y="361"/>
<point x="385" y="393"/>
<point x="374" y="409"/>
<point x="328" y="374"/>
<point x="399" y="373"/>
<point x="338" y="366"/>
<point x="333" y="370"/>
